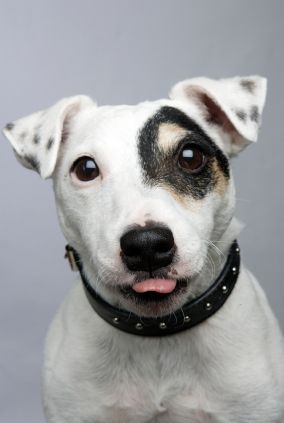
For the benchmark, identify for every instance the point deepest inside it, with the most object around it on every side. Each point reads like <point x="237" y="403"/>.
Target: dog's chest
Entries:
<point x="168" y="409"/>
<point x="150" y="402"/>
<point x="107" y="376"/>
<point x="159" y="384"/>
<point x="180" y="410"/>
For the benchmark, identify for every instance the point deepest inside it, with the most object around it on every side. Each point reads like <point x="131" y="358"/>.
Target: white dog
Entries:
<point x="164" y="325"/>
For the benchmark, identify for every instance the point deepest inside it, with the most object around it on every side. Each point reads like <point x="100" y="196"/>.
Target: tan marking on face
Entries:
<point x="221" y="182"/>
<point x="170" y="134"/>
<point x="184" y="200"/>
<point x="221" y="185"/>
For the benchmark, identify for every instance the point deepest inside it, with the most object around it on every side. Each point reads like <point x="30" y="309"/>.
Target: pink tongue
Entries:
<point x="163" y="286"/>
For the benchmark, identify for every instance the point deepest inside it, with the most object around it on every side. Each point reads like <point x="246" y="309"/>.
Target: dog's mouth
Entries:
<point x="154" y="289"/>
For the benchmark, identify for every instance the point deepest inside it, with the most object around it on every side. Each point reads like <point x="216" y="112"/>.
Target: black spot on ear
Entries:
<point x="248" y="85"/>
<point x="254" y="114"/>
<point x="50" y="143"/>
<point x="33" y="162"/>
<point x="241" y="114"/>
<point x="10" y="126"/>
<point x="36" y="139"/>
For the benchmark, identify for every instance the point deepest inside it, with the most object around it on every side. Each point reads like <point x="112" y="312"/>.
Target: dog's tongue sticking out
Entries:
<point x="162" y="286"/>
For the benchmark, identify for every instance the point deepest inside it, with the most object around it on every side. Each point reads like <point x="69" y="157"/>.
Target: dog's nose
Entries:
<point x="147" y="249"/>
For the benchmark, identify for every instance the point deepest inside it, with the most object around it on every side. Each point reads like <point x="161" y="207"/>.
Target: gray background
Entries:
<point x="121" y="51"/>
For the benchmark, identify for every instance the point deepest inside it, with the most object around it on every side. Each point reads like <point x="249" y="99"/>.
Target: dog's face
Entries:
<point x="142" y="191"/>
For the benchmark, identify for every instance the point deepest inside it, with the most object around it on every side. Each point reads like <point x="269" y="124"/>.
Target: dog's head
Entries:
<point x="143" y="191"/>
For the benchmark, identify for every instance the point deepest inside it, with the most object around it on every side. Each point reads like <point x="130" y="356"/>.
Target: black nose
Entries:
<point x="147" y="249"/>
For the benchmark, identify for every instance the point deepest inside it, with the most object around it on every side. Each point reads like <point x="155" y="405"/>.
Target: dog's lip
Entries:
<point x="160" y="285"/>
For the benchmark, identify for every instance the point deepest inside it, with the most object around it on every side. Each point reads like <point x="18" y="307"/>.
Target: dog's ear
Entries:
<point x="36" y="138"/>
<point x="233" y="105"/>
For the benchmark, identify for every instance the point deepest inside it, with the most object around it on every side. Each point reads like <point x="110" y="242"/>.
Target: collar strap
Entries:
<point x="191" y="314"/>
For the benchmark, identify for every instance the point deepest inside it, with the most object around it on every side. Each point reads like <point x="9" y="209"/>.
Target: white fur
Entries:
<point x="229" y="369"/>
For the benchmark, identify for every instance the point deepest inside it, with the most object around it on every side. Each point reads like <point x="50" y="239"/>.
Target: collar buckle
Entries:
<point x="70" y="256"/>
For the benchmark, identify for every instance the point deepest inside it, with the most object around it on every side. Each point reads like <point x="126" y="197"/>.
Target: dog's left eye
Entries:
<point x="191" y="158"/>
<point x="85" y="169"/>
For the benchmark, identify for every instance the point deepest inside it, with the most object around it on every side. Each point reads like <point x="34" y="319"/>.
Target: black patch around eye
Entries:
<point x="160" y="167"/>
<point x="254" y="114"/>
<point x="33" y="162"/>
<point x="248" y="85"/>
<point x="10" y="126"/>
<point x="50" y="143"/>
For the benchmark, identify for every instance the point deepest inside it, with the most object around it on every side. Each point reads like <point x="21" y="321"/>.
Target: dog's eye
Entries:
<point x="85" y="169"/>
<point x="191" y="158"/>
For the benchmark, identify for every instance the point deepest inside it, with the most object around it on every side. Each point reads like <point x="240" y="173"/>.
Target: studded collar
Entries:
<point x="191" y="314"/>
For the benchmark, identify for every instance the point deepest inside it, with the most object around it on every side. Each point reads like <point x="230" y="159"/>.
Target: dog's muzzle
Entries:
<point x="189" y="315"/>
<point x="147" y="249"/>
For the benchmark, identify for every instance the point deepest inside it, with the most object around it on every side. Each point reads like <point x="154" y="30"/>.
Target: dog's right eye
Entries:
<point x="85" y="169"/>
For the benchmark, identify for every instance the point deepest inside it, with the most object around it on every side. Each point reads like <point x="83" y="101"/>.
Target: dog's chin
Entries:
<point x="152" y="303"/>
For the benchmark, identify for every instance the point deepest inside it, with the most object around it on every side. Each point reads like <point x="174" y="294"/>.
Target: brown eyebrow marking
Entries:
<point x="169" y="134"/>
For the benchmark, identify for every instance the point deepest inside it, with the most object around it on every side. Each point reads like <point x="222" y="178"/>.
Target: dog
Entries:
<point x="164" y="323"/>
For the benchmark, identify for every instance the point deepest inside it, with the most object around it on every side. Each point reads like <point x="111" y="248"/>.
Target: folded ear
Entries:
<point x="234" y="106"/>
<point x="37" y="137"/>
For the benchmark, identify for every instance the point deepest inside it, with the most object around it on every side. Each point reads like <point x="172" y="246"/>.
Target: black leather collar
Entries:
<point x="191" y="314"/>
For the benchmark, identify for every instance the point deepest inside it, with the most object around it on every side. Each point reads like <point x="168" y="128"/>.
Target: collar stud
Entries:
<point x="163" y="326"/>
<point x="208" y="306"/>
<point x="139" y="326"/>
<point x="224" y="289"/>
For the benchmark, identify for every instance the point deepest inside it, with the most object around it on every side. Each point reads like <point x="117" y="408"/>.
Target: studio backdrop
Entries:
<point x="121" y="51"/>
